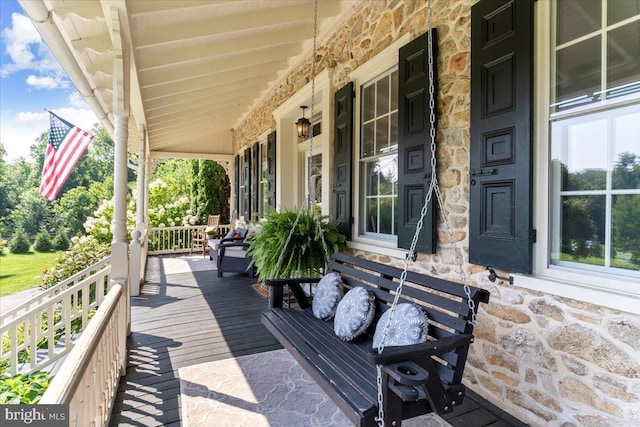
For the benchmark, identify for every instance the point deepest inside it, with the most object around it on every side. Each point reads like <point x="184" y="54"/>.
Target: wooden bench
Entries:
<point x="417" y="379"/>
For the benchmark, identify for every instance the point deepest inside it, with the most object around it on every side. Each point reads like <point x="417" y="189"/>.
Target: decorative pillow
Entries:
<point x="408" y="326"/>
<point x="326" y="296"/>
<point x="354" y="313"/>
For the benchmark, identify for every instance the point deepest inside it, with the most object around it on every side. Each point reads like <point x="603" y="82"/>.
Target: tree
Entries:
<point x="211" y="191"/>
<point x="61" y="241"/>
<point x="34" y="212"/>
<point x="5" y="206"/>
<point x="19" y="244"/>
<point x="77" y="204"/>
<point x="43" y="241"/>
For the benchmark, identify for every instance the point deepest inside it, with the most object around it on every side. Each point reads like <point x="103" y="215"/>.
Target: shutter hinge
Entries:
<point x="534" y="236"/>
<point x="353" y="94"/>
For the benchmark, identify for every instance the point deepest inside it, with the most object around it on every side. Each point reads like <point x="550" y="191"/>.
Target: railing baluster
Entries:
<point x="33" y="339"/>
<point x="51" y="328"/>
<point x="14" y="353"/>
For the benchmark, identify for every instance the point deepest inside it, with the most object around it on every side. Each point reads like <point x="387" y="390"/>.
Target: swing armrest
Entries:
<point x="276" y="290"/>
<point x="394" y="354"/>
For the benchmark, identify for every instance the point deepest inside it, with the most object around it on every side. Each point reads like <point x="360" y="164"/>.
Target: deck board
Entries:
<point x="181" y="320"/>
<point x="191" y="317"/>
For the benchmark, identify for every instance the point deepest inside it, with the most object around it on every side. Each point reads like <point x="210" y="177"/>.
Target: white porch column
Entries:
<point x="135" y="250"/>
<point x="119" y="246"/>
<point x="141" y="181"/>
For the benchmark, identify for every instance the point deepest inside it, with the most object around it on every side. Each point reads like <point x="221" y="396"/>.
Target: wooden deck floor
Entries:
<point x="185" y="317"/>
<point x="180" y="320"/>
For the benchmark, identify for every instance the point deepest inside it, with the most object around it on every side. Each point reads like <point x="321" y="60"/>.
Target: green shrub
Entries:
<point x="43" y="241"/>
<point x="84" y="252"/>
<point x="3" y="246"/>
<point x="61" y="241"/>
<point x="23" y="388"/>
<point x="19" y="244"/>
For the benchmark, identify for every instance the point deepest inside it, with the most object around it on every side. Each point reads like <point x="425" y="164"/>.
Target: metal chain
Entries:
<point x="312" y="199"/>
<point x="307" y="199"/>
<point x="433" y="188"/>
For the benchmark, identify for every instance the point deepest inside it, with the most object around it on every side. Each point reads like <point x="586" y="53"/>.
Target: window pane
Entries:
<point x="372" y="178"/>
<point x="368" y="99"/>
<point x="393" y="138"/>
<point x="626" y="232"/>
<point x="367" y="140"/>
<point x="387" y="169"/>
<point x="386" y="215"/>
<point x="579" y="154"/>
<point x="577" y="18"/>
<point x="623" y="60"/>
<point x="578" y="70"/>
<point x="394" y="90"/>
<point x="372" y="215"/>
<point x="382" y="96"/>
<point x="382" y="135"/>
<point x="582" y="226"/>
<point x="620" y="10"/>
<point x="626" y="146"/>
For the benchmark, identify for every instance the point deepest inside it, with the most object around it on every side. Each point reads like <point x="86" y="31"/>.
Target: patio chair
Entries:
<point x="232" y="253"/>
<point x="201" y="236"/>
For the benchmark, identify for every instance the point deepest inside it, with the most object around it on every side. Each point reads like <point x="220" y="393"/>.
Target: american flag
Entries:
<point x="67" y="143"/>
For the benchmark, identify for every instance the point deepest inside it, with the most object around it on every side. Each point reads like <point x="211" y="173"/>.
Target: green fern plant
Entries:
<point x="304" y="256"/>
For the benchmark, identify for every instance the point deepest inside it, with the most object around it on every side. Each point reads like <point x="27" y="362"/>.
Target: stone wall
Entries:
<point x="545" y="359"/>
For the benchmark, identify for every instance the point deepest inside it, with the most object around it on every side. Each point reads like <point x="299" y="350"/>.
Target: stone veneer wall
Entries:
<point x="545" y="359"/>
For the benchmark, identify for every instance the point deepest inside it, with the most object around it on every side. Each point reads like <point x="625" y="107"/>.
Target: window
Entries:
<point x="594" y="131"/>
<point x="379" y="156"/>
<point x="263" y="188"/>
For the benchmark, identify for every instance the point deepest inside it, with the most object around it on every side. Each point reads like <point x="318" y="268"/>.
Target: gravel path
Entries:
<point x="7" y="302"/>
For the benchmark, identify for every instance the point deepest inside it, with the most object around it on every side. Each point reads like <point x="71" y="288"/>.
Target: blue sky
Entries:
<point x="30" y="80"/>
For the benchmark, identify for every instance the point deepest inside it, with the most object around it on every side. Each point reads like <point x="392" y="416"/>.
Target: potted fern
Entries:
<point x="304" y="255"/>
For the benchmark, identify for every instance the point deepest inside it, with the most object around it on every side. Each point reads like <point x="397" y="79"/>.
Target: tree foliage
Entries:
<point x="211" y="189"/>
<point x="19" y="244"/>
<point x="43" y="241"/>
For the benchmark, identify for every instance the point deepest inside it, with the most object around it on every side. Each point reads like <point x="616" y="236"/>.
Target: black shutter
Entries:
<point x="255" y="180"/>
<point x="500" y="208"/>
<point x="414" y="144"/>
<point x="343" y="159"/>
<point x="246" y="182"/>
<point x="236" y="185"/>
<point x="271" y="170"/>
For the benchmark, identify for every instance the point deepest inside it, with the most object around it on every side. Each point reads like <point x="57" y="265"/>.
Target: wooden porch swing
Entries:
<point x="384" y="385"/>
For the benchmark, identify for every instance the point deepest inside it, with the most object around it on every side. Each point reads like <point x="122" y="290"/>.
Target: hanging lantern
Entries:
<point x="303" y="124"/>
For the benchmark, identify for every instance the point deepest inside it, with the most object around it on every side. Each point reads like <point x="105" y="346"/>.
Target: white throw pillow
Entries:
<point x="354" y="313"/>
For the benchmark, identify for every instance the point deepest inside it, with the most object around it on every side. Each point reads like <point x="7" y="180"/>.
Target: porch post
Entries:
<point x="119" y="246"/>
<point x="135" y="252"/>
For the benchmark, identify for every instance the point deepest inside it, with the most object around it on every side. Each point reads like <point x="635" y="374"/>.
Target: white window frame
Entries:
<point x="262" y="144"/>
<point x="617" y="292"/>
<point x="368" y="71"/>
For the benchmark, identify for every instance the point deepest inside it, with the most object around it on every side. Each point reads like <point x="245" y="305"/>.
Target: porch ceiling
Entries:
<point x="198" y="66"/>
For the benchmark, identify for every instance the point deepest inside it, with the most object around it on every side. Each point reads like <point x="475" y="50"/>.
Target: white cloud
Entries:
<point x="27" y="51"/>
<point x="47" y="82"/>
<point x="76" y="100"/>
<point x="18" y="135"/>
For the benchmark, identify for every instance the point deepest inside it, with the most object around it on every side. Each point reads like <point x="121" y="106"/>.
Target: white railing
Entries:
<point x="34" y="339"/>
<point x="88" y="379"/>
<point x="170" y="240"/>
<point x="50" y="292"/>
<point x="175" y="240"/>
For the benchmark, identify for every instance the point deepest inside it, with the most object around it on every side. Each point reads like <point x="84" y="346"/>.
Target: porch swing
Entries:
<point x="382" y="385"/>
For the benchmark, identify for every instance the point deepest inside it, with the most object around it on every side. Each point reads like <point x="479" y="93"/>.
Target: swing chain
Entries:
<point x="307" y="198"/>
<point x="411" y="256"/>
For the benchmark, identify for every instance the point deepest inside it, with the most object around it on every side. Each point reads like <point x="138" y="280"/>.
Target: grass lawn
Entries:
<point x="21" y="271"/>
